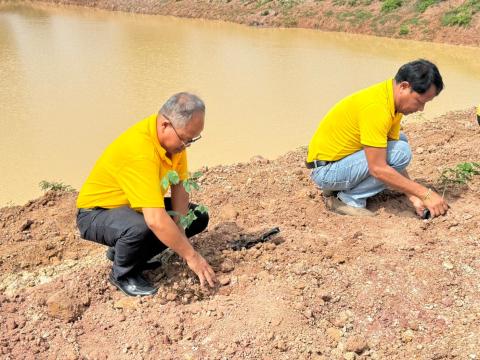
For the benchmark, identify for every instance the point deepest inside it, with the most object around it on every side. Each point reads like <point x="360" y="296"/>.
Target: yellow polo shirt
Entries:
<point x="365" y="118"/>
<point x="130" y="170"/>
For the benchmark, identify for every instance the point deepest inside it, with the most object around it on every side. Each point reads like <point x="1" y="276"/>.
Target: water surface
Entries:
<point x="73" y="79"/>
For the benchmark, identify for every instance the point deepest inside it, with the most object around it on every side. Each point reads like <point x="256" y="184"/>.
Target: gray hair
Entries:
<point x="180" y="108"/>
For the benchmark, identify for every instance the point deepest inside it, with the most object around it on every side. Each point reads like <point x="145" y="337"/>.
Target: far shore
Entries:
<point x="368" y="17"/>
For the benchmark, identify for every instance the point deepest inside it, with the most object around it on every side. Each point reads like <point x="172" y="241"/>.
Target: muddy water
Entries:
<point x="73" y="79"/>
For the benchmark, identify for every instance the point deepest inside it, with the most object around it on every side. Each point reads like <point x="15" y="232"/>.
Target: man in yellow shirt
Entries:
<point x="358" y="150"/>
<point x="122" y="202"/>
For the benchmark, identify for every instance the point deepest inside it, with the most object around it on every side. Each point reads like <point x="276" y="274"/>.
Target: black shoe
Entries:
<point x="148" y="265"/>
<point x="133" y="285"/>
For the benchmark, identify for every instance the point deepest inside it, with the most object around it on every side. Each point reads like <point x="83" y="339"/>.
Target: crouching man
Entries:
<point x="358" y="150"/>
<point x="122" y="204"/>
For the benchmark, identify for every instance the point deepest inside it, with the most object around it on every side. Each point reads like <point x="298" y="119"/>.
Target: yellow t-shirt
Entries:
<point x="130" y="170"/>
<point x="366" y="118"/>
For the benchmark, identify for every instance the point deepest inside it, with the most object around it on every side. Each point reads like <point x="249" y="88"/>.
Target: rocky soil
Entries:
<point x="327" y="287"/>
<point x="409" y="19"/>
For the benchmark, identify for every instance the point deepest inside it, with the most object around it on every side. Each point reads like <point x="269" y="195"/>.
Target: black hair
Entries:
<point x="420" y="74"/>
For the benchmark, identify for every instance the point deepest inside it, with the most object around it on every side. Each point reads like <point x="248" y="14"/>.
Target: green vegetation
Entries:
<point x="390" y="5"/>
<point x="351" y="2"/>
<point x="404" y="30"/>
<point x="458" y="175"/>
<point x="190" y="184"/>
<point x="423" y="5"/>
<point x="287" y="4"/>
<point x="354" y="17"/>
<point x="54" y="186"/>
<point x="462" y="15"/>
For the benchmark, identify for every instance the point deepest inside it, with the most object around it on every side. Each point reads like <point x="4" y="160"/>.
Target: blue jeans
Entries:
<point x="350" y="175"/>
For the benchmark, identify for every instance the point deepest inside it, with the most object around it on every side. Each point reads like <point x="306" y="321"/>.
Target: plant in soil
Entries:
<point x="459" y="175"/>
<point x="190" y="184"/>
<point x="54" y="186"/>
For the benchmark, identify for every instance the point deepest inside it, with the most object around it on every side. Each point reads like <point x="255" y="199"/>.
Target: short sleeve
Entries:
<point x="140" y="181"/>
<point x="374" y="124"/>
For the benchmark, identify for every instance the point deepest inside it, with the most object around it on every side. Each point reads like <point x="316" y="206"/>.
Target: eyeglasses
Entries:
<point x="185" y="143"/>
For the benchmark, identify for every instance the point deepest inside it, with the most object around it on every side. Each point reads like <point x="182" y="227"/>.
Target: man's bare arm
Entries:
<point x="164" y="228"/>
<point x="378" y="167"/>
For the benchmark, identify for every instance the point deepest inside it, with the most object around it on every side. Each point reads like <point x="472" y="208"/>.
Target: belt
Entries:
<point x="82" y="210"/>
<point x="316" y="163"/>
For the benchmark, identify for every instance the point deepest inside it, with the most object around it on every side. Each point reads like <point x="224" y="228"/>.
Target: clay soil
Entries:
<point x="327" y="287"/>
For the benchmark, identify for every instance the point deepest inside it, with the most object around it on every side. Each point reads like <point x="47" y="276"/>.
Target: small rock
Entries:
<point x="270" y="246"/>
<point x="334" y="334"/>
<point x="447" y="301"/>
<point x="448" y="265"/>
<point x="171" y="296"/>
<point x="420" y="150"/>
<point x="230" y="350"/>
<point x="281" y="345"/>
<point x="224" y="280"/>
<point x="357" y="344"/>
<point x="349" y="356"/>
<point x="126" y="303"/>
<point x="66" y="306"/>
<point x="341" y="319"/>
<point x="308" y="313"/>
<point x="227" y="266"/>
<point x="408" y="335"/>
<point x="228" y="213"/>
<point x="11" y="324"/>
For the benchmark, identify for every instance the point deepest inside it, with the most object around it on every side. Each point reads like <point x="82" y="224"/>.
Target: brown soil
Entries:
<point x="328" y="287"/>
<point x="355" y="16"/>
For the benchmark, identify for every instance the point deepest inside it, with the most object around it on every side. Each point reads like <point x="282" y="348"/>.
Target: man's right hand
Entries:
<point x="436" y="204"/>
<point x="203" y="270"/>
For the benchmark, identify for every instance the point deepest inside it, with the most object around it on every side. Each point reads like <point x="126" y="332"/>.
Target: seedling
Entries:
<point x="458" y="175"/>
<point x="54" y="186"/>
<point x="190" y="184"/>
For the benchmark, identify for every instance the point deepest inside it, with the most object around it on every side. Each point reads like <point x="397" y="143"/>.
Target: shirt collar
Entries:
<point x="152" y="124"/>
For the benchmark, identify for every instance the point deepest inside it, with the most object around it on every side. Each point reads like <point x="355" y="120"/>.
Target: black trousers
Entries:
<point x="126" y="230"/>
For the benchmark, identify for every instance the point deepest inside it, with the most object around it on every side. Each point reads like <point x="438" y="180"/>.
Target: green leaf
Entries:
<point x="188" y="186"/>
<point x="187" y="220"/>
<point x="173" y="177"/>
<point x="196" y="175"/>
<point x="165" y="183"/>
<point x="202" y="209"/>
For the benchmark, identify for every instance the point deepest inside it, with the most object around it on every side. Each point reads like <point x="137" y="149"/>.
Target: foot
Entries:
<point x="133" y="285"/>
<point x="148" y="265"/>
<point x="336" y="205"/>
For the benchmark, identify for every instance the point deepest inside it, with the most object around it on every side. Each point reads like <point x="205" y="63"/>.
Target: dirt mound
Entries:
<point x="326" y="287"/>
